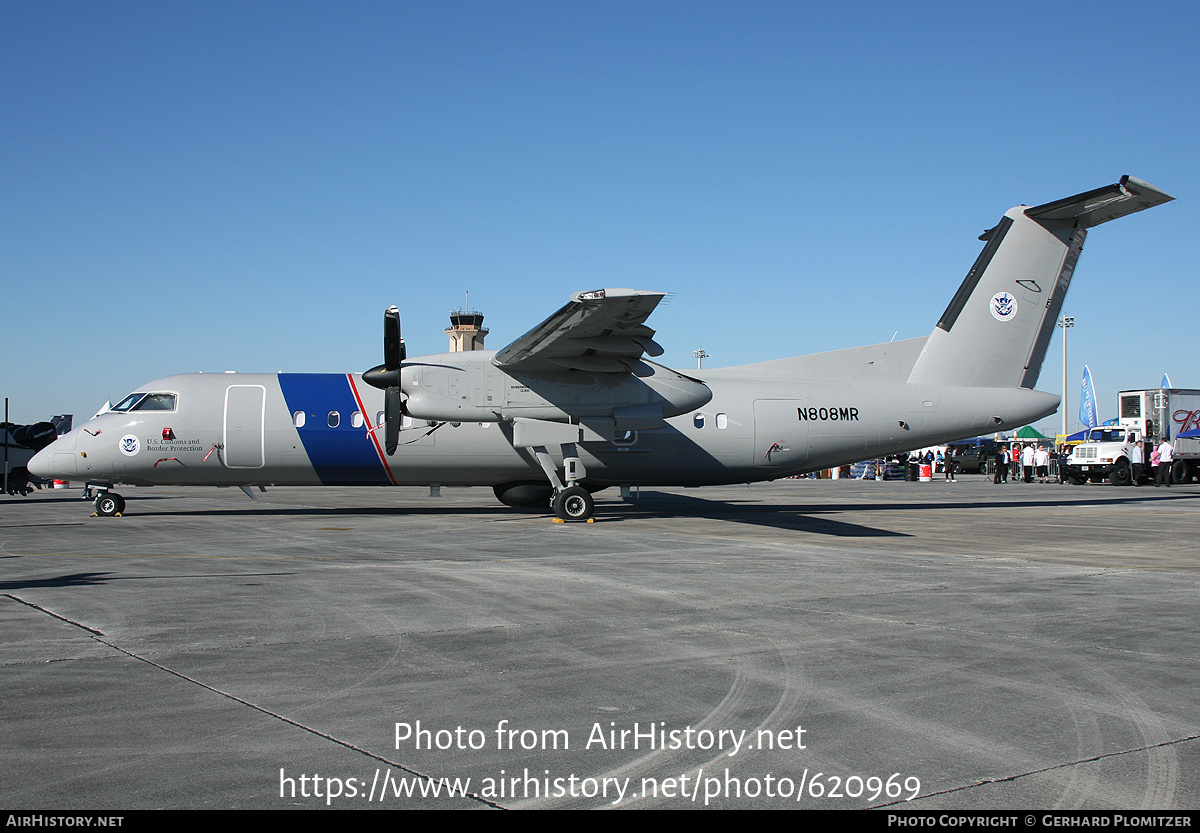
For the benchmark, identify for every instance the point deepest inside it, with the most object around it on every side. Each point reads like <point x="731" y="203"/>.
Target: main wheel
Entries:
<point x="110" y="504"/>
<point x="574" y="504"/>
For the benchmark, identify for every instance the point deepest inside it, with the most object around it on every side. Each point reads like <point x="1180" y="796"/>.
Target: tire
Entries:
<point x="1120" y="475"/>
<point x="1180" y="472"/>
<point x="574" y="504"/>
<point x="109" y="504"/>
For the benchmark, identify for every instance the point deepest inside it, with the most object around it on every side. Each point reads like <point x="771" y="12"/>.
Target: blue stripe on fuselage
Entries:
<point x="342" y="456"/>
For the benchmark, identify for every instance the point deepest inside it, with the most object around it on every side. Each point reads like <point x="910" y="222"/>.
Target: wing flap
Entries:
<point x="602" y="331"/>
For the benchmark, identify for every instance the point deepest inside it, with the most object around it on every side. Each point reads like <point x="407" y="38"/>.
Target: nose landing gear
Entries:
<point x="109" y="505"/>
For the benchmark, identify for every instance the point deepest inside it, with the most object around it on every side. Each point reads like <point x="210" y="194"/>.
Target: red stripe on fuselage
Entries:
<point x="370" y="429"/>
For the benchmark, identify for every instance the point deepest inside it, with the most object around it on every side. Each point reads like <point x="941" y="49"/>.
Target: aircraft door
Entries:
<point x="780" y="437"/>
<point x="244" y="441"/>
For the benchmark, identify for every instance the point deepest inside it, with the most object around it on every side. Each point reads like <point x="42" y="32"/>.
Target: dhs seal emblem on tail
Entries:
<point x="1004" y="306"/>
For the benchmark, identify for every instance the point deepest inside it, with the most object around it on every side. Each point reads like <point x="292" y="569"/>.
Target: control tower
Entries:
<point x="466" y="330"/>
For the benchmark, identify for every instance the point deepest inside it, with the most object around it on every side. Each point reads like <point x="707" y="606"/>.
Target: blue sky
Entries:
<point x="247" y="186"/>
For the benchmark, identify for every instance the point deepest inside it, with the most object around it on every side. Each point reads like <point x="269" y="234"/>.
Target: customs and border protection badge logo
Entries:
<point x="129" y="445"/>
<point x="1004" y="306"/>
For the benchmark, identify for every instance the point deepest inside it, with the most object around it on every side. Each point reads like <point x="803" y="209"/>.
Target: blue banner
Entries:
<point x="1087" y="400"/>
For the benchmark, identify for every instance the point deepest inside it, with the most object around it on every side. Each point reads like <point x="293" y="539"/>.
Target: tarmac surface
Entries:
<point x="810" y="644"/>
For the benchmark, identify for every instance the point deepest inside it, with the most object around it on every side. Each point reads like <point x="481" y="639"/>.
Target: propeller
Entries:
<point x="386" y="377"/>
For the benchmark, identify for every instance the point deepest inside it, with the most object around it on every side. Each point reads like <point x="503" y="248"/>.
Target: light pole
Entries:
<point x="1065" y="322"/>
<point x="700" y="357"/>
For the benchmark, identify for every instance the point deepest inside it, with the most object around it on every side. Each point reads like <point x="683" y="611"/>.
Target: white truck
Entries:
<point x="1146" y="415"/>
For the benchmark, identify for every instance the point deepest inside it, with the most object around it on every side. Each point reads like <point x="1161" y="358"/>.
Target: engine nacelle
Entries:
<point x="467" y="387"/>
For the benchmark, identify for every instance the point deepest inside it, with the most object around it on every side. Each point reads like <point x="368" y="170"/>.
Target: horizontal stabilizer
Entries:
<point x="1128" y="196"/>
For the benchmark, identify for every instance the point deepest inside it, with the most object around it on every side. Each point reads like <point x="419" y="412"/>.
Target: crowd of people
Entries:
<point x="1029" y="462"/>
<point x="1026" y="463"/>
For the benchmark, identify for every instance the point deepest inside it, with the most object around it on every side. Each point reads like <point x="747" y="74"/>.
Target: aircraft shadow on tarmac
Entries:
<point x="96" y="579"/>
<point x="70" y="580"/>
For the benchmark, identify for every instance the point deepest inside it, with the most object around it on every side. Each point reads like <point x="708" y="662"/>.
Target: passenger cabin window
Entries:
<point x="698" y="420"/>
<point x="334" y="419"/>
<point x="298" y="419"/>
<point x="356" y="419"/>
<point x="722" y="421"/>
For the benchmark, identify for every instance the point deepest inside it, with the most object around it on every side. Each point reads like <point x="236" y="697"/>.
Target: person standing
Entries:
<point x="1027" y="462"/>
<point x="1137" y="462"/>
<point x="998" y="477"/>
<point x="1041" y="459"/>
<point x="1166" y="455"/>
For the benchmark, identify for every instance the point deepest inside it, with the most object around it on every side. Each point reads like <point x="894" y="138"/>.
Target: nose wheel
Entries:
<point x="110" y="505"/>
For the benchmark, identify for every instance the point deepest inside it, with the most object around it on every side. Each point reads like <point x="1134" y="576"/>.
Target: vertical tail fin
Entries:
<point x="998" y="325"/>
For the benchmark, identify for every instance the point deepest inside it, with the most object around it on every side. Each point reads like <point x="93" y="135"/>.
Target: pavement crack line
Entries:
<point x="95" y="633"/>
<point x="100" y="637"/>
<point x="985" y="781"/>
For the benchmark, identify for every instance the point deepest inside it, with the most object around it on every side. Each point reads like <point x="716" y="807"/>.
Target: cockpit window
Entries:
<point x="128" y="402"/>
<point x="156" y="402"/>
<point x="146" y="402"/>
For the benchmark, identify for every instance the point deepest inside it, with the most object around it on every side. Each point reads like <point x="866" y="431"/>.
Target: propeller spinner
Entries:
<point x="386" y="377"/>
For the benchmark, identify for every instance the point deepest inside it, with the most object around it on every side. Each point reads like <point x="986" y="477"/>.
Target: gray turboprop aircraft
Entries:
<point x="577" y="395"/>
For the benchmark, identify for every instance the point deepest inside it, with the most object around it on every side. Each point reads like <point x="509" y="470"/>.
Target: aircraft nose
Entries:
<point x="41" y="463"/>
<point x="44" y="463"/>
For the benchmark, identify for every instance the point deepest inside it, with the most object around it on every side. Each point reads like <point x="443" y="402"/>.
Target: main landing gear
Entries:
<point x="571" y="502"/>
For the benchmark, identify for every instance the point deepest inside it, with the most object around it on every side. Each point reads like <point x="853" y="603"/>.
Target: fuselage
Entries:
<point x="300" y="429"/>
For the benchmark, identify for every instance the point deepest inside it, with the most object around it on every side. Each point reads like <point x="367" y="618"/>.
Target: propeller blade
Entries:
<point x="393" y="345"/>
<point x="391" y="416"/>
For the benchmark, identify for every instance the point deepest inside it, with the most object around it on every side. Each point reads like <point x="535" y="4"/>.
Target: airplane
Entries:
<point x="579" y="395"/>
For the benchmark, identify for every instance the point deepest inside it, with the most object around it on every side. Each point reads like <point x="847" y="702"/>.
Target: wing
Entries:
<point x="602" y="331"/>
